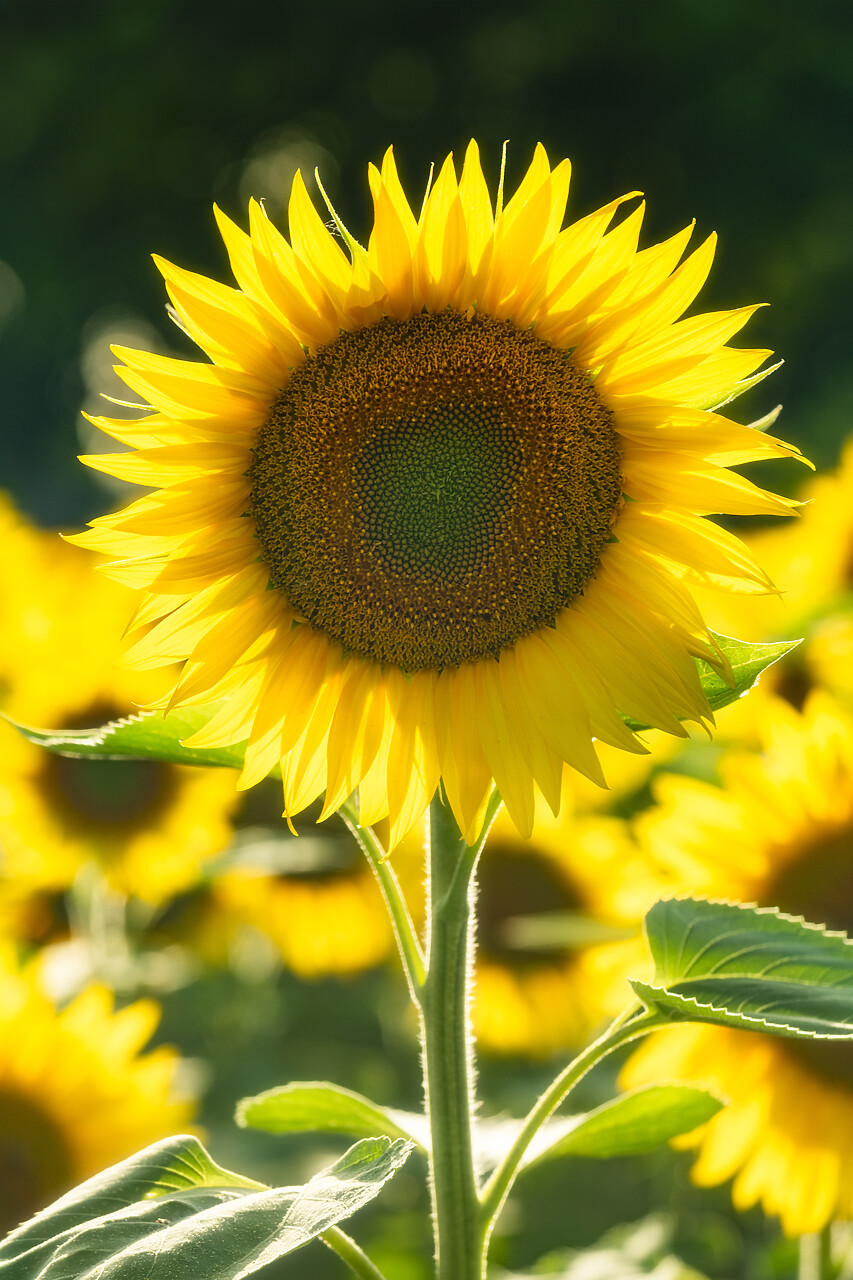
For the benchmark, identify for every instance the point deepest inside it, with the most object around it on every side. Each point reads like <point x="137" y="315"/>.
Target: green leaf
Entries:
<point x="636" y="1122"/>
<point x="172" y="1165"/>
<point x="319" y="1107"/>
<point x="220" y="1232"/>
<point x="147" y="736"/>
<point x="748" y="659"/>
<point x="152" y="736"/>
<point x="748" y="967"/>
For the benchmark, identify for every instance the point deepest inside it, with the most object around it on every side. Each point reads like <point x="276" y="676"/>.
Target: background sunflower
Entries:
<point x="779" y="832"/>
<point x="150" y="826"/>
<point x="78" y="1091"/>
<point x="559" y="920"/>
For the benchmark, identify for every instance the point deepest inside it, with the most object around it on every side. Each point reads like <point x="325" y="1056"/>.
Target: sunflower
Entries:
<point x="778" y="832"/>
<point x="432" y="509"/>
<point x="150" y="825"/>
<point x="559" y="931"/>
<point x="76" y="1092"/>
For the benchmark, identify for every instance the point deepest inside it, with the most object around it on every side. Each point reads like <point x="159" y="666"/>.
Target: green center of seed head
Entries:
<point x="433" y="486"/>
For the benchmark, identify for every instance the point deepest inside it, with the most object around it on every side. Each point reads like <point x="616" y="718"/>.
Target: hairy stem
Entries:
<point x="446" y="1039"/>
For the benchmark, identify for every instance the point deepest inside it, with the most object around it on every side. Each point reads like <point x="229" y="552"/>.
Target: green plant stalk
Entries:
<point x="447" y="1048"/>
<point x="408" y="944"/>
<point x="636" y="1021"/>
<point x="815" y="1261"/>
<point x="350" y="1253"/>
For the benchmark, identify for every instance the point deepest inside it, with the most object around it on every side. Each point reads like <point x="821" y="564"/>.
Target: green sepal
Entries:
<point x="745" y="384"/>
<point x="747" y="659"/>
<point x="748" y="967"/>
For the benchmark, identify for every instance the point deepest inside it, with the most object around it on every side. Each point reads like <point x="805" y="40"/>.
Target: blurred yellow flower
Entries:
<point x="778" y="832"/>
<point x="76" y="1092"/>
<point x="433" y="510"/>
<point x="323" y="910"/>
<point x="150" y="825"/>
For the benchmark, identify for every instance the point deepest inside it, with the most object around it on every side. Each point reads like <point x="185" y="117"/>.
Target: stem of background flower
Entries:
<point x="447" y="1047"/>
<point x="347" y="1249"/>
<point x="816" y="1255"/>
<point x="636" y="1021"/>
<point x="408" y="944"/>
<point x="99" y="915"/>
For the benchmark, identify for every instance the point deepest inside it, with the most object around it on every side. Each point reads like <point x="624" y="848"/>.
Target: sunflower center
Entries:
<point x="427" y="492"/>
<point x="818" y="885"/>
<point x="35" y="1163"/>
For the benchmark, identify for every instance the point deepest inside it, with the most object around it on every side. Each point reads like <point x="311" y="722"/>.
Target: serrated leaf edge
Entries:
<point x="797" y="1032"/>
<point x="759" y="910"/>
<point x="94" y="737"/>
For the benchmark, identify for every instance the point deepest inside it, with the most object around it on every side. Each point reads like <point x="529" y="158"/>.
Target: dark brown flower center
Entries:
<point x="426" y="493"/>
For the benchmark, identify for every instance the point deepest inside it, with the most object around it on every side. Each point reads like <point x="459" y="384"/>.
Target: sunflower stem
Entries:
<point x="636" y="1021"/>
<point x="350" y="1253"/>
<point x="816" y="1255"/>
<point x="408" y="944"/>
<point x="447" y="1047"/>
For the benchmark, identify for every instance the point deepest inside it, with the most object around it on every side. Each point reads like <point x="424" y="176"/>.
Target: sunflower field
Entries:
<point x="426" y="717"/>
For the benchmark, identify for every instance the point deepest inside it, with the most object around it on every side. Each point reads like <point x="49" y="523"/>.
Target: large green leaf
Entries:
<point x="319" y="1107"/>
<point x="151" y="735"/>
<point x="199" y="1229"/>
<point x="748" y="967"/>
<point x="172" y="1165"/>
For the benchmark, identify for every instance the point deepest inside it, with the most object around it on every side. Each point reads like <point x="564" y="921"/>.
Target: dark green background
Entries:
<point x="121" y="120"/>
